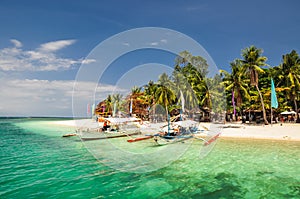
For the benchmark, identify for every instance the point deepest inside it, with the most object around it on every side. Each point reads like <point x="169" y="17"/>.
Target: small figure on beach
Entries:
<point x="244" y="119"/>
<point x="105" y="126"/>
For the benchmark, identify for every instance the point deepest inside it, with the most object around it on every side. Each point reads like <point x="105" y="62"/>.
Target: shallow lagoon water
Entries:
<point x="36" y="162"/>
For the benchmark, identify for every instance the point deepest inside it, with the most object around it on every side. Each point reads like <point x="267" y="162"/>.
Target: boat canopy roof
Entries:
<point x="288" y="113"/>
<point x="186" y="123"/>
<point x="122" y="120"/>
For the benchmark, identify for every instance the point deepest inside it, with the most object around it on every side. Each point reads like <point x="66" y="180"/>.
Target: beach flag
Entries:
<point x="233" y="103"/>
<point x="93" y="109"/>
<point x="115" y="109"/>
<point x="182" y="101"/>
<point x="274" y="102"/>
<point x="130" y="109"/>
<point x="88" y="109"/>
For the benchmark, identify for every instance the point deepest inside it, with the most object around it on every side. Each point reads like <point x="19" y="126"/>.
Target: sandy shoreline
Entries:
<point x="286" y="131"/>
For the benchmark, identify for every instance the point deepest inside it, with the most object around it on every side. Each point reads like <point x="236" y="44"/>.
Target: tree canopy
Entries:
<point x="247" y="85"/>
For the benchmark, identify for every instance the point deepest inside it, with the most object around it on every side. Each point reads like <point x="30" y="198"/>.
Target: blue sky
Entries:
<point x="43" y="43"/>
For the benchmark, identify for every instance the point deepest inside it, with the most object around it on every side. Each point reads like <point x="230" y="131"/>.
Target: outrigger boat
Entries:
<point x="140" y="138"/>
<point x="112" y="128"/>
<point x="109" y="136"/>
<point x="180" y="131"/>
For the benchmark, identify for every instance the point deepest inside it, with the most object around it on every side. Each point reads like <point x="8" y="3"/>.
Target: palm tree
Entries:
<point x="165" y="97"/>
<point x="252" y="62"/>
<point x="116" y="101"/>
<point x="203" y="93"/>
<point x="218" y="96"/>
<point x="194" y="70"/>
<point x="139" y="101"/>
<point x="197" y="85"/>
<point x="290" y="77"/>
<point x="136" y="90"/>
<point x="235" y="82"/>
<point x="183" y="58"/>
<point x="108" y="104"/>
<point x="165" y="81"/>
<point x="150" y="89"/>
<point x="184" y="88"/>
<point x="200" y="87"/>
<point x="164" y="93"/>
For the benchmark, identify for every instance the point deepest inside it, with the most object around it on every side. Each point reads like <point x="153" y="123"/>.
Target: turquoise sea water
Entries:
<point x="36" y="162"/>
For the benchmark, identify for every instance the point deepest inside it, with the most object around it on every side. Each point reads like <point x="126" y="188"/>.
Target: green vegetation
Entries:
<point x="189" y="88"/>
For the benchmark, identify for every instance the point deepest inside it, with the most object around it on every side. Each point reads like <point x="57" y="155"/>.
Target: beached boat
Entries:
<point x="211" y="140"/>
<point x="140" y="138"/>
<point x="180" y="131"/>
<point x="167" y="139"/>
<point x="113" y="128"/>
<point x="69" y="135"/>
<point x="102" y="136"/>
<point x="175" y="132"/>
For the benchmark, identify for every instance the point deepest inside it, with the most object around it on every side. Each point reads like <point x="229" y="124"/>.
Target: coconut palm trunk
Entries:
<point x="296" y="107"/>
<point x="253" y="61"/>
<point x="167" y="113"/>
<point x="262" y="105"/>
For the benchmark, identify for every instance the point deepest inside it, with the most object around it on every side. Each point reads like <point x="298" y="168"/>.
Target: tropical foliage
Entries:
<point x="246" y="87"/>
<point x="252" y="62"/>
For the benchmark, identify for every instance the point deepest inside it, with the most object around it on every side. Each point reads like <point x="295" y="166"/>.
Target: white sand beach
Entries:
<point x="286" y="131"/>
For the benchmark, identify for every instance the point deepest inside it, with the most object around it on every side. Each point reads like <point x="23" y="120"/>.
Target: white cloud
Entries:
<point x="126" y="44"/>
<point x="164" y="41"/>
<point x="33" y="97"/>
<point x="17" y="43"/>
<point x="154" y="43"/>
<point x="160" y="42"/>
<point x="56" y="45"/>
<point x="43" y="58"/>
<point x="88" y="61"/>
